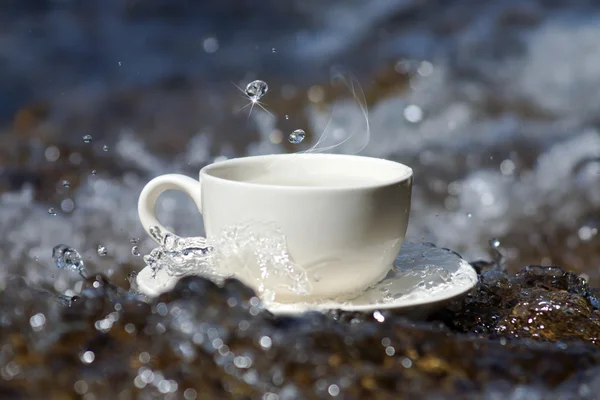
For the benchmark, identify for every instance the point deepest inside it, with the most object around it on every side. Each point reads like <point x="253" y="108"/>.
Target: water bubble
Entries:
<point x="52" y="211"/>
<point x="135" y="250"/>
<point x="119" y="63"/>
<point x="469" y="215"/>
<point x="297" y="136"/>
<point x="134" y="240"/>
<point x="287" y="116"/>
<point x="333" y="390"/>
<point x="94" y="172"/>
<point x="273" y="50"/>
<point x="87" y="139"/>
<point x="102" y="250"/>
<point x="494" y="243"/>
<point x="67" y="258"/>
<point x="256" y="89"/>
<point x="66" y="184"/>
<point x="105" y="148"/>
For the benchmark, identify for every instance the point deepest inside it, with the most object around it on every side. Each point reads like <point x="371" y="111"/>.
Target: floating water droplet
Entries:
<point x="66" y="184"/>
<point x="273" y="50"/>
<point x="87" y="139"/>
<point x="52" y="211"/>
<point x="287" y="116"/>
<point x="135" y="251"/>
<point x="494" y="243"/>
<point x="105" y="148"/>
<point x="67" y="258"/>
<point x="469" y="215"/>
<point x="102" y="250"/>
<point x="134" y="240"/>
<point x="94" y="172"/>
<point x="119" y="63"/>
<point x="256" y="89"/>
<point x="297" y="136"/>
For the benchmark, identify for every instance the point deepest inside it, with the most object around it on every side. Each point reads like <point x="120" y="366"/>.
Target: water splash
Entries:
<point x="67" y="258"/>
<point x="102" y="250"/>
<point x="252" y="252"/>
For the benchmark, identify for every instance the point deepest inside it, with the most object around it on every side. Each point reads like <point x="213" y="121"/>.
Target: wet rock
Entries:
<point x="205" y="341"/>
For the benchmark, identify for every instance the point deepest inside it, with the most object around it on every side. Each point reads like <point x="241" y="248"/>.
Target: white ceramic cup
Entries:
<point x="344" y="217"/>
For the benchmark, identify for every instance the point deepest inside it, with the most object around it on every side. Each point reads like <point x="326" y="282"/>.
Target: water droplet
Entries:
<point x="66" y="184"/>
<point x="52" y="153"/>
<point x="256" y="89"/>
<point x="67" y="205"/>
<point x="37" y="322"/>
<point x="494" y="243"/>
<point x="265" y="342"/>
<point x="469" y="215"/>
<point x="67" y="258"/>
<point x="413" y="113"/>
<point x="287" y="116"/>
<point x="52" y="211"/>
<point x="297" y="136"/>
<point x="105" y="148"/>
<point x="88" y="357"/>
<point x="134" y="241"/>
<point x="87" y="139"/>
<point x="119" y="63"/>
<point x="390" y="351"/>
<point x="210" y="44"/>
<point x="273" y="50"/>
<point x="135" y="251"/>
<point x="102" y="250"/>
<point x="94" y="172"/>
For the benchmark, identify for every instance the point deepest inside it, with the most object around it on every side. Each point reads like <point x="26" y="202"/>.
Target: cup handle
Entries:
<point x="151" y="192"/>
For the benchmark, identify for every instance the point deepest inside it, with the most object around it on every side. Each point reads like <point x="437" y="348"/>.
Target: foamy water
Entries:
<point x="530" y="178"/>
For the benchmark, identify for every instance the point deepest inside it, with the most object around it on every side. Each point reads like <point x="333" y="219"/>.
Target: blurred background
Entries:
<point x="495" y="105"/>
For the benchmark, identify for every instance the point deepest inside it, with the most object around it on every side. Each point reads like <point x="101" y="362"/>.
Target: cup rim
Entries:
<point x="405" y="173"/>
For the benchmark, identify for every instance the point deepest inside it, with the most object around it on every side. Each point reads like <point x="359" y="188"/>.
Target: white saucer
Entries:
<point x="424" y="278"/>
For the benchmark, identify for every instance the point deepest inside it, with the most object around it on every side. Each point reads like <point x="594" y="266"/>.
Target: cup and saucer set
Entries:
<point x="344" y="219"/>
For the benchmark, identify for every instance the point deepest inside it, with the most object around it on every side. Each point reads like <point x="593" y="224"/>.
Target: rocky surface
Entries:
<point x="532" y="335"/>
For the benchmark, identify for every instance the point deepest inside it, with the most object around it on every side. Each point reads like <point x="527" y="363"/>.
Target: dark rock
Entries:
<point x="216" y="342"/>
